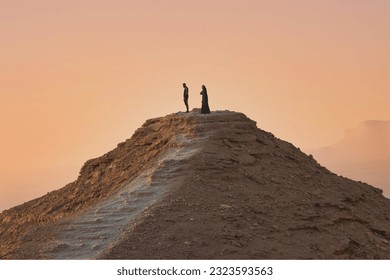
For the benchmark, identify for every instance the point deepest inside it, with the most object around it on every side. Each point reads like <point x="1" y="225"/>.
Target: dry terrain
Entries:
<point x="192" y="186"/>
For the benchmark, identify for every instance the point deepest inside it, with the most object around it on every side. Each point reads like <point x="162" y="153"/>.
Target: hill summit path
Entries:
<point x="192" y="186"/>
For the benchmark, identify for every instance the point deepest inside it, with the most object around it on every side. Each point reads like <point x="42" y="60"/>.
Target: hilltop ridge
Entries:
<point x="202" y="186"/>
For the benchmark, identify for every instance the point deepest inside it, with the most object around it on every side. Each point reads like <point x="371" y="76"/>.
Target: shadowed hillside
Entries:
<point x="191" y="186"/>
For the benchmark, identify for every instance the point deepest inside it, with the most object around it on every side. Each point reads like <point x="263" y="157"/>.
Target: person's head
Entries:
<point x="184" y="85"/>
<point x="203" y="87"/>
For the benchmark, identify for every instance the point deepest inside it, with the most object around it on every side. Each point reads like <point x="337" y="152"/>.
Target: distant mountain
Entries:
<point x="192" y="186"/>
<point x="363" y="154"/>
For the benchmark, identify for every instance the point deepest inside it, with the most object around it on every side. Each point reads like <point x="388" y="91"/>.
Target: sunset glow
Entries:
<point x="78" y="77"/>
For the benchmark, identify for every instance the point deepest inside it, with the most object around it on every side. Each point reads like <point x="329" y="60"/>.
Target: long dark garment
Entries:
<point x="205" y="102"/>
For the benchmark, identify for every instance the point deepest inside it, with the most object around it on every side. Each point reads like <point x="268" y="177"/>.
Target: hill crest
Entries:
<point x="201" y="186"/>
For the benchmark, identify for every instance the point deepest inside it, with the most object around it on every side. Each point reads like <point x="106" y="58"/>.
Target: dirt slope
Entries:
<point x="27" y="230"/>
<point x="202" y="186"/>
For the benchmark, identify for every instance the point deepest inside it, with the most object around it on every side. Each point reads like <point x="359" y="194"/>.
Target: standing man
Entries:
<point x="185" y="95"/>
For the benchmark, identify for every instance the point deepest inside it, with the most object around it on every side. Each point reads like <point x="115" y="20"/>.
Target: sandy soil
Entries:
<point x="189" y="186"/>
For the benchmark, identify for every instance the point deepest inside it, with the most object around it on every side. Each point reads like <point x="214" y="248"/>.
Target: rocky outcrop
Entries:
<point x="191" y="186"/>
<point x="23" y="229"/>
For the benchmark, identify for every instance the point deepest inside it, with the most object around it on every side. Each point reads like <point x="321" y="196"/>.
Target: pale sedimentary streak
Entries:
<point x="98" y="227"/>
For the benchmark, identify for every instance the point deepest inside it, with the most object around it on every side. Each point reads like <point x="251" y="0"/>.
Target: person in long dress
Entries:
<point x="205" y="101"/>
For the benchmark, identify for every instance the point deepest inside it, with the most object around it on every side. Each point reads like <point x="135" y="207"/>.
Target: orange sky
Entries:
<point x="77" y="77"/>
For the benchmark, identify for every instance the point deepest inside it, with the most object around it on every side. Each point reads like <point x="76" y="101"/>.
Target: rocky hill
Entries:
<point x="192" y="186"/>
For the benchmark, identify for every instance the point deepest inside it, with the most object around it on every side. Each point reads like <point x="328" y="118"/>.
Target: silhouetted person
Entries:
<point x="205" y="101"/>
<point x="185" y="95"/>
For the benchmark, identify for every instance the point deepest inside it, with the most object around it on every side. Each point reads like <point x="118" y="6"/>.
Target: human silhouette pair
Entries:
<point x="205" y="99"/>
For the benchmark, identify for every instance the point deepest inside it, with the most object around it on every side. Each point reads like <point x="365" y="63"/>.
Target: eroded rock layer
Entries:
<point x="192" y="186"/>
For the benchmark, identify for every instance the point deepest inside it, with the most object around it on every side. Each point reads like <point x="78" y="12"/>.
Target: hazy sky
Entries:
<point x="77" y="77"/>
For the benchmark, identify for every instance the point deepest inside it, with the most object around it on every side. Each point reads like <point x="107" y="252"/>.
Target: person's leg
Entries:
<point x="186" y="103"/>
